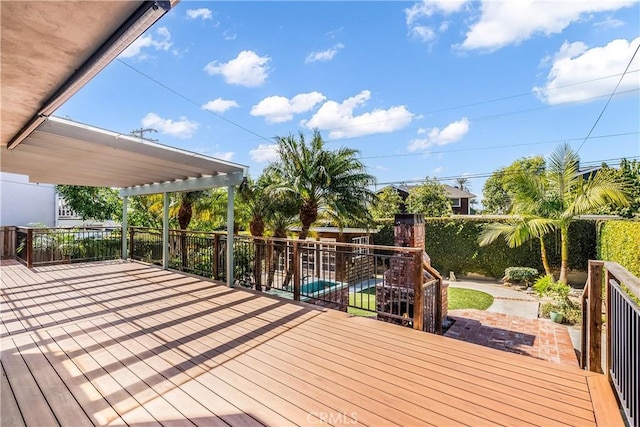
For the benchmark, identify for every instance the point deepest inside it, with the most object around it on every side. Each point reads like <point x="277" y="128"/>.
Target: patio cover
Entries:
<point x="61" y="151"/>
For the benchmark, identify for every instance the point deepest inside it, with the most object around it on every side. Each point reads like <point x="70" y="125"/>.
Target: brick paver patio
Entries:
<point x="539" y="338"/>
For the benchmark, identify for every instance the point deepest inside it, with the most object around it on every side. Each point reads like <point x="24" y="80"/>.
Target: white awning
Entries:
<point x="61" y="151"/>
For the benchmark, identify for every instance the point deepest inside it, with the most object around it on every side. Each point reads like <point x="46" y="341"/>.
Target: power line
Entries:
<point x="609" y="100"/>
<point x="488" y="174"/>
<point x="191" y="101"/>
<point x="270" y="140"/>
<point x="491" y="147"/>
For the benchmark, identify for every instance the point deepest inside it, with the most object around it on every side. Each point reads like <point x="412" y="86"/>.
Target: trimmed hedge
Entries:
<point x="452" y="244"/>
<point x="619" y="241"/>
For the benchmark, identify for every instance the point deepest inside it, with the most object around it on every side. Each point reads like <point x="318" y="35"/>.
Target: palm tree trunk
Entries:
<point x="304" y="232"/>
<point x="564" y="253"/>
<point x="545" y="260"/>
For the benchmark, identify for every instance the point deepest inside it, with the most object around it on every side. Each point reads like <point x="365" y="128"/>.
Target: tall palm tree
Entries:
<point x="462" y="183"/>
<point x="554" y="199"/>
<point x="333" y="182"/>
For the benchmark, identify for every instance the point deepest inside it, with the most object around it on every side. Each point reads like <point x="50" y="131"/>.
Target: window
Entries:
<point x="455" y="203"/>
<point x="361" y="240"/>
<point x="64" y="211"/>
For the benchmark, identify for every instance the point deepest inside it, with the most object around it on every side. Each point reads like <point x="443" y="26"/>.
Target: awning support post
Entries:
<point x="230" y="194"/>
<point x="165" y="231"/>
<point x="125" y="228"/>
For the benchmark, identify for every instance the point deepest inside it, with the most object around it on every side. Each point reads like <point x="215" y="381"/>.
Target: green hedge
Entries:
<point x="619" y="241"/>
<point x="452" y="244"/>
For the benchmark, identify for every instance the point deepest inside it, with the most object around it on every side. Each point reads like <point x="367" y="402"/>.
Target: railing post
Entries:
<point x="216" y="256"/>
<point x="584" y="301"/>
<point x="29" y="245"/>
<point x="296" y="271"/>
<point x="594" y="359"/>
<point x="607" y="287"/>
<point x="418" y="292"/>
<point x="131" y="231"/>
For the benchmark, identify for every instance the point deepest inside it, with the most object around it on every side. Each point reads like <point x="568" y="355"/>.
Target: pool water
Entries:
<point x="315" y="286"/>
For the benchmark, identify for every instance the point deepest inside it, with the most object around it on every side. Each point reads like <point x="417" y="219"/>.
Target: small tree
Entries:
<point x="98" y="203"/>
<point x="429" y="199"/>
<point x="386" y="204"/>
<point x="498" y="191"/>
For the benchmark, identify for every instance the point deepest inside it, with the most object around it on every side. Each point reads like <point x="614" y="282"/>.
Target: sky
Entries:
<point x="445" y="89"/>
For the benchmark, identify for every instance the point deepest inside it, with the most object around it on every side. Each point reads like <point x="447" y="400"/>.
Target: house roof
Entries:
<point x="452" y="192"/>
<point x="61" y="151"/>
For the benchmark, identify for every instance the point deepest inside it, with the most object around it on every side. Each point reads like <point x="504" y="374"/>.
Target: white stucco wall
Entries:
<point x="23" y="202"/>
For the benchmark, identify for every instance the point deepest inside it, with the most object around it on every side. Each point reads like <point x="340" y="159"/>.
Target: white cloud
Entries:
<point x="437" y="170"/>
<point x="451" y="133"/>
<point x="226" y="155"/>
<point x="575" y="63"/>
<point x="220" y="105"/>
<point x="265" y="153"/>
<point x="426" y="8"/>
<point x="342" y="123"/>
<point x="247" y="69"/>
<point x="229" y="35"/>
<point x="325" y="55"/>
<point x="162" y="41"/>
<point x="182" y="128"/>
<point x="609" y="22"/>
<point x="202" y="13"/>
<point x="278" y="109"/>
<point x="502" y="23"/>
<point x="423" y="33"/>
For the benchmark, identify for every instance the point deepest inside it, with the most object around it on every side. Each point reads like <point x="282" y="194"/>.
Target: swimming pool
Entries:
<point x="316" y="286"/>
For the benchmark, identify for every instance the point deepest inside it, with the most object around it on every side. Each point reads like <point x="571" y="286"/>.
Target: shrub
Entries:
<point x="571" y="314"/>
<point x="542" y="285"/>
<point x="520" y="274"/>
<point x="618" y="242"/>
<point x="452" y="244"/>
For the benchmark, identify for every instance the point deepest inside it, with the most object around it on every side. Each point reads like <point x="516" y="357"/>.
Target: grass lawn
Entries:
<point x="468" y="298"/>
<point x="364" y="303"/>
<point x="366" y="300"/>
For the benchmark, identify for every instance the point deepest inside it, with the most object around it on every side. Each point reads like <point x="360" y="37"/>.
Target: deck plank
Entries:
<point x="129" y="343"/>
<point x="9" y="409"/>
<point x="34" y="407"/>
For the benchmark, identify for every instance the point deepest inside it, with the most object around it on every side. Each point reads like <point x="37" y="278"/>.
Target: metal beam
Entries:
<point x="230" y="194"/>
<point x="125" y="231"/>
<point x="165" y="231"/>
<point x="193" y="184"/>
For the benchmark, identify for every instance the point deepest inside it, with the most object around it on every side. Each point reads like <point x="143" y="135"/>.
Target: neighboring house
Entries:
<point x="23" y="202"/>
<point x="460" y="199"/>
<point x="66" y="217"/>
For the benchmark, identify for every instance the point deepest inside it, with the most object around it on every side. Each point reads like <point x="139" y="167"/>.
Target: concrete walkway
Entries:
<point x="505" y="300"/>
<point x="511" y="324"/>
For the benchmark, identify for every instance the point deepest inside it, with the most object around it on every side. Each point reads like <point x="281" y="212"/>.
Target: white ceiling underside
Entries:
<point x="61" y="151"/>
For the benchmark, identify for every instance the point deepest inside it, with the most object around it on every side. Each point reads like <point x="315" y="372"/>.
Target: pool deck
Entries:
<point x="124" y="343"/>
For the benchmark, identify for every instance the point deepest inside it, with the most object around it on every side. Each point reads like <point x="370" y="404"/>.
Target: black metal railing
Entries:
<point x="622" y="339"/>
<point x="42" y="246"/>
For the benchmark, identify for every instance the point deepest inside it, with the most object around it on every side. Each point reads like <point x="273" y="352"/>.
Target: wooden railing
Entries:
<point x="622" y="332"/>
<point x="7" y="242"/>
<point x="40" y="246"/>
<point x="343" y="276"/>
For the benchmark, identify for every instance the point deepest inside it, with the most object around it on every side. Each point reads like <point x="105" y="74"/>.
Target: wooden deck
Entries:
<point x="130" y="344"/>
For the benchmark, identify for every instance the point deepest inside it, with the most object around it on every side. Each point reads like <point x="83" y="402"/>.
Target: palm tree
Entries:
<point x="555" y="198"/>
<point x="462" y="183"/>
<point x="332" y="182"/>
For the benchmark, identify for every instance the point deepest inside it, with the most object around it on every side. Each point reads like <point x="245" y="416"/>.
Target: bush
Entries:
<point x="520" y="274"/>
<point x="542" y="285"/>
<point x="571" y="314"/>
<point x="452" y="244"/>
<point x="618" y="242"/>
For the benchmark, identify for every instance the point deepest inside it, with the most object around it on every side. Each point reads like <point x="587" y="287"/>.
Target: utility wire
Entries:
<point x="261" y="137"/>
<point x="488" y="174"/>
<point x="191" y="101"/>
<point x="490" y="147"/>
<point x="609" y="100"/>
